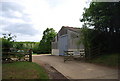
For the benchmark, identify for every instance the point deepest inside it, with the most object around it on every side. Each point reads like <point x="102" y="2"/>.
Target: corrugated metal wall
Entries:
<point x="66" y="40"/>
<point x="63" y="44"/>
<point x="74" y="41"/>
<point x="54" y="45"/>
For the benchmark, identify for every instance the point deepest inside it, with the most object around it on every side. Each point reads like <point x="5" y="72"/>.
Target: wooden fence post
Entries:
<point x="30" y="55"/>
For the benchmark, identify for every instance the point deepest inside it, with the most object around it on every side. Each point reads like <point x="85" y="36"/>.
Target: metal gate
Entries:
<point x="63" y="44"/>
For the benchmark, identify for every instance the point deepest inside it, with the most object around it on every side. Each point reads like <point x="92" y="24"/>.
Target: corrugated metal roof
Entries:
<point x="63" y="31"/>
<point x="75" y="29"/>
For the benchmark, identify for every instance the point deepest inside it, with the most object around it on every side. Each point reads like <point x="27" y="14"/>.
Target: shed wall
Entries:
<point x="63" y="44"/>
<point x="55" y="51"/>
<point x="74" y="40"/>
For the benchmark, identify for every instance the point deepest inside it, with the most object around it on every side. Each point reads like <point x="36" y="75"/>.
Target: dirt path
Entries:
<point x="77" y="70"/>
<point x="52" y="72"/>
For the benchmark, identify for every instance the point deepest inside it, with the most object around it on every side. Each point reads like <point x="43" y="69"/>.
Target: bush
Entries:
<point x="36" y="48"/>
<point x="6" y="43"/>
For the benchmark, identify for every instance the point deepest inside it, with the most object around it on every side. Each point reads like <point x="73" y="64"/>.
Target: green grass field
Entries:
<point x="106" y="59"/>
<point x="23" y="70"/>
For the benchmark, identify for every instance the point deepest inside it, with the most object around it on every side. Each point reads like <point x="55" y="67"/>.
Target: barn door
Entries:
<point x="63" y="44"/>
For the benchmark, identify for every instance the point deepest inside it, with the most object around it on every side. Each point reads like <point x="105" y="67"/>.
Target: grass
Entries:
<point x="106" y="59"/>
<point x="23" y="70"/>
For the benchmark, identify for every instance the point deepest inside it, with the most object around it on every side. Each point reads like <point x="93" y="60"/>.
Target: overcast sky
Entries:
<point x="27" y="19"/>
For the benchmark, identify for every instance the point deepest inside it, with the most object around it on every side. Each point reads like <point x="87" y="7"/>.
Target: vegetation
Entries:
<point x="8" y="40"/>
<point x="23" y="70"/>
<point x="44" y="46"/>
<point x="36" y="47"/>
<point x="27" y="45"/>
<point x="103" y="17"/>
<point x="7" y="43"/>
<point x="106" y="59"/>
<point x="24" y="45"/>
<point x="45" y="43"/>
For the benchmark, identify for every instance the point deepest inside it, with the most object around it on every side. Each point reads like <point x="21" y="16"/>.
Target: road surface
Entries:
<point x="78" y="69"/>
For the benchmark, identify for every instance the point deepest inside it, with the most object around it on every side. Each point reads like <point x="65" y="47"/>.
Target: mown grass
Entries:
<point x="23" y="70"/>
<point x="106" y="59"/>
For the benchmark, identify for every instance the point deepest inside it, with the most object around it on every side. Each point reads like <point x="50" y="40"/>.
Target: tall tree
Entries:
<point x="45" y="43"/>
<point x="104" y="17"/>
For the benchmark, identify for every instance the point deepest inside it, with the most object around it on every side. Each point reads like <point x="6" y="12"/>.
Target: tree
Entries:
<point x="45" y="43"/>
<point x="7" y="43"/>
<point x="8" y="40"/>
<point x="36" y="47"/>
<point x="104" y="17"/>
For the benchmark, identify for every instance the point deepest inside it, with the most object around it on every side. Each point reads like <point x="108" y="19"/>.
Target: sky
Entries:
<point x="27" y="19"/>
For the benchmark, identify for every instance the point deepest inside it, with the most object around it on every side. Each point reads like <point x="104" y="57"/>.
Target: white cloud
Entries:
<point x="29" y="38"/>
<point x="17" y="14"/>
<point x="66" y="13"/>
<point x="44" y="13"/>
<point x="11" y="20"/>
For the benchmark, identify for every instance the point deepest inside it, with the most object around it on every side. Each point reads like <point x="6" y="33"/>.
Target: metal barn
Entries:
<point x="66" y="40"/>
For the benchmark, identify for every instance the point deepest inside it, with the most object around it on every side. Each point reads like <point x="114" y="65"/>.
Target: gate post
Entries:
<point x="30" y="55"/>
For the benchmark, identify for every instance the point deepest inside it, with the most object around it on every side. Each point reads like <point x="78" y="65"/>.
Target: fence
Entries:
<point x="93" y="53"/>
<point x="12" y="54"/>
<point x="70" y="55"/>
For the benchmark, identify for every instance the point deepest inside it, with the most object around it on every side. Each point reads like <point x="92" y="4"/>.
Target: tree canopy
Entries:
<point x="7" y="40"/>
<point x="45" y="43"/>
<point x="104" y="18"/>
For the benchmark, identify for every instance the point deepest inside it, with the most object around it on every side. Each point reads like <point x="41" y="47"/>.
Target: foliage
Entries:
<point x="18" y="45"/>
<point x="23" y="70"/>
<point x="9" y="37"/>
<point x="36" y="47"/>
<point x="106" y="59"/>
<point x="7" y="40"/>
<point x="84" y="37"/>
<point x="6" y="43"/>
<point x="104" y="18"/>
<point x="90" y="39"/>
<point x="45" y="43"/>
<point x="24" y="45"/>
